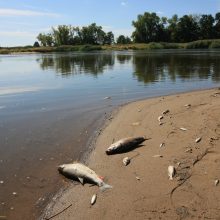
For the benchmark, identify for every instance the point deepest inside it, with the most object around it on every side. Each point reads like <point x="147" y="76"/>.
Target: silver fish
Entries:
<point x="82" y="172"/>
<point x="171" y="172"/>
<point x="198" y="139"/>
<point x="93" y="199"/>
<point x="183" y="129"/>
<point x="124" y="145"/>
<point x="157" y="155"/>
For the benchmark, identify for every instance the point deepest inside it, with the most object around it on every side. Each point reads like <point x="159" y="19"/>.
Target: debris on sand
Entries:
<point x="136" y="123"/>
<point x="183" y="129"/>
<point x="165" y="112"/>
<point x="198" y="139"/>
<point x="124" y="145"/>
<point x="93" y="200"/>
<point x="160" y="118"/>
<point x="171" y="172"/>
<point x="126" y="161"/>
<point x="162" y="145"/>
<point x="187" y="105"/>
<point x="138" y="178"/>
<point x="82" y="172"/>
<point x="157" y="155"/>
<point x="216" y="182"/>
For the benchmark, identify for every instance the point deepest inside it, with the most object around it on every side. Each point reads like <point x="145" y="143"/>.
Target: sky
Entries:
<point x="22" y="20"/>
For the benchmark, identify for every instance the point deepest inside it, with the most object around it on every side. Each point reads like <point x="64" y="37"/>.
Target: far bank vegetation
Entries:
<point x="150" y="32"/>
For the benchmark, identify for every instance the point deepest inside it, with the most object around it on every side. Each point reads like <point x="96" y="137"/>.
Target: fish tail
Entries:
<point x="105" y="186"/>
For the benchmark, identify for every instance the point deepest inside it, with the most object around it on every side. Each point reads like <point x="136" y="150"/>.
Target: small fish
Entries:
<point x="183" y="129"/>
<point x="187" y="105"/>
<point x="198" y="139"/>
<point x="160" y="118"/>
<point x="93" y="199"/>
<point x="216" y="182"/>
<point x="124" y="145"/>
<point x="171" y="172"/>
<point x="165" y="112"/>
<point x="82" y="172"/>
<point x="157" y="155"/>
<point x="126" y="161"/>
<point x="138" y="178"/>
<point x="162" y="145"/>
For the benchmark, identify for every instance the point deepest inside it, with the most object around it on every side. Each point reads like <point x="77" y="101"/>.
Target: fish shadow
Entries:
<point x="128" y="149"/>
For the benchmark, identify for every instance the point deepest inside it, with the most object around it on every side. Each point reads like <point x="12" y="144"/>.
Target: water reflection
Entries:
<point x="72" y="64"/>
<point x="148" y="67"/>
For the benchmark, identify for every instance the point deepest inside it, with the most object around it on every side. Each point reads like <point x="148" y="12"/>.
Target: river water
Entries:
<point x="51" y="104"/>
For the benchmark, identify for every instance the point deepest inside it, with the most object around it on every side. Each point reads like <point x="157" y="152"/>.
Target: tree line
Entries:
<point x="148" y="27"/>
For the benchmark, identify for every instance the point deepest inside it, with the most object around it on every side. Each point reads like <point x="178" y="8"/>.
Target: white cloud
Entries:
<point x="159" y="12"/>
<point x="123" y="3"/>
<point x="8" y="12"/>
<point x="17" y="34"/>
<point x="118" y="31"/>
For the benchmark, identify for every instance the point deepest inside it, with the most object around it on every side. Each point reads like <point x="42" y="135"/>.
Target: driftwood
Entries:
<point x="58" y="212"/>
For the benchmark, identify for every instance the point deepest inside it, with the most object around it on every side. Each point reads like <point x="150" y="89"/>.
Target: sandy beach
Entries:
<point x="142" y="190"/>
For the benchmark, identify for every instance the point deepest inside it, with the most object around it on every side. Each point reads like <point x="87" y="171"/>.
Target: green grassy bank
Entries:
<point x="200" y="44"/>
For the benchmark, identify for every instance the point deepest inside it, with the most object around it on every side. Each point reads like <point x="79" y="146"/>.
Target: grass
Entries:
<point x="200" y="44"/>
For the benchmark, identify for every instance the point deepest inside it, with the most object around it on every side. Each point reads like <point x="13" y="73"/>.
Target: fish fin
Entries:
<point x="81" y="180"/>
<point x="105" y="187"/>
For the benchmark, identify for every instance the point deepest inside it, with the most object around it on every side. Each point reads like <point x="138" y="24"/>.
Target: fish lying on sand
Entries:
<point x="171" y="172"/>
<point x="124" y="145"/>
<point x="82" y="172"/>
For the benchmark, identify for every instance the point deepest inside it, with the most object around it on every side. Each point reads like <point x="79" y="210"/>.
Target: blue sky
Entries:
<point x="22" y="20"/>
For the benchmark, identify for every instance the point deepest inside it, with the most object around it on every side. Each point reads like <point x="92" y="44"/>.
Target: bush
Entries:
<point x="215" y="44"/>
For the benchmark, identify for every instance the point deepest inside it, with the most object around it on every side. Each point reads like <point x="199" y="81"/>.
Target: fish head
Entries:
<point x="61" y="167"/>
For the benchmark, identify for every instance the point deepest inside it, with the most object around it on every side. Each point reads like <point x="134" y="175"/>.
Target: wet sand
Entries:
<point x="192" y="193"/>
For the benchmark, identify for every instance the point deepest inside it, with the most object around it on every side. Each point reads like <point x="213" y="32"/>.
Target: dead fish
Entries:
<point x="162" y="145"/>
<point x="157" y="155"/>
<point x="160" y="118"/>
<point x="124" y="145"/>
<point x="216" y="182"/>
<point x="126" y="161"/>
<point x="183" y="129"/>
<point x="187" y="105"/>
<point x="82" y="172"/>
<point x="165" y="112"/>
<point x="93" y="200"/>
<point x="138" y="178"/>
<point x="198" y="139"/>
<point x="171" y="172"/>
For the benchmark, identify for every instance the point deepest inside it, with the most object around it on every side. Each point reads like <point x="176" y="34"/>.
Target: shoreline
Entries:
<point x="93" y="160"/>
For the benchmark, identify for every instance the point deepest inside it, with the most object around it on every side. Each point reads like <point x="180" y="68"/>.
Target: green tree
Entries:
<point x="148" y="28"/>
<point x="63" y="35"/>
<point x="187" y="29"/>
<point x="42" y="38"/>
<point x="109" y="38"/>
<point x="36" y="44"/>
<point x="217" y="25"/>
<point x="123" y="40"/>
<point x="206" y="25"/>
<point x="92" y="34"/>
<point x="172" y="28"/>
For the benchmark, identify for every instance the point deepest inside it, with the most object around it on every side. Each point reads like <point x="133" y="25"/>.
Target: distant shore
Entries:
<point x="200" y="44"/>
<point x="142" y="189"/>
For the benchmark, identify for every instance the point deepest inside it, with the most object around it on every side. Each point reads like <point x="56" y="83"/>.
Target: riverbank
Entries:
<point x="200" y="44"/>
<point x="142" y="189"/>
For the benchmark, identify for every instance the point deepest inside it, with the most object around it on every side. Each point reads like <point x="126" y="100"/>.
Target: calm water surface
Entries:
<point x="50" y="104"/>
